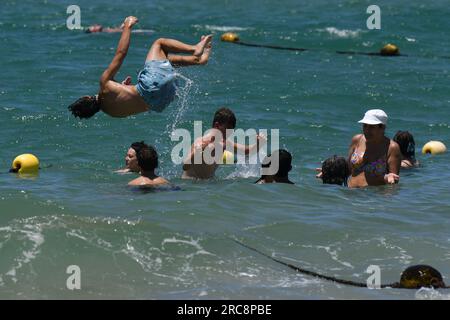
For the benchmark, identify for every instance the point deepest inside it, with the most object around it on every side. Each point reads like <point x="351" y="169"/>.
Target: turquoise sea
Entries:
<point x="179" y="244"/>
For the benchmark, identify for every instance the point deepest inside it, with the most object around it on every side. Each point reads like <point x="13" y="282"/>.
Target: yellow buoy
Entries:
<point x="229" y="37"/>
<point x="228" y="157"/>
<point x="25" y="163"/>
<point x="390" y="50"/>
<point x="434" y="147"/>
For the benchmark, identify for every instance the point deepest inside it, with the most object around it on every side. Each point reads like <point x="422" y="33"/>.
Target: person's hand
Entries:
<point x="319" y="173"/>
<point x="203" y="143"/>
<point x="130" y="21"/>
<point x="391" y="178"/>
<point x="261" y="139"/>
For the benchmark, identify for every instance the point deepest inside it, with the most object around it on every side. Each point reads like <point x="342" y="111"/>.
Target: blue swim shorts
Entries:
<point x="157" y="84"/>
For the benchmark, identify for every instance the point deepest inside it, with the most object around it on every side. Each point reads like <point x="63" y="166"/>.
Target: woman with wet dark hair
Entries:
<point x="408" y="149"/>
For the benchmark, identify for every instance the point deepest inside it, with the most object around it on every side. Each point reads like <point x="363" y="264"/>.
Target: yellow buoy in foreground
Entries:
<point x="434" y="147"/>
<point x="228" y="157"/>
<point x="390" y="50"/>
<point x="25" y="163"/>
<point x="229" y="37"/>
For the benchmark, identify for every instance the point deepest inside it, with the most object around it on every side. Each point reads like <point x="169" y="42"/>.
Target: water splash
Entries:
<point x="183" y="93"/>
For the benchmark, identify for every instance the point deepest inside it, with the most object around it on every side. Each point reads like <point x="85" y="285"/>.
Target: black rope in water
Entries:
<point x="315" y="274"/>
<point x="413" y="277"/>
<point x="388" y="50"/>
<point x="268" y="46"/>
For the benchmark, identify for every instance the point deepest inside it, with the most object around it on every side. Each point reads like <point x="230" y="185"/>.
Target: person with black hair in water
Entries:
<point x="147" y="158"/>
<point x="407" y="146"/>
<point x="131" y="163"/>
<point x="335" y="170"/>
<point x="284" y="166"/>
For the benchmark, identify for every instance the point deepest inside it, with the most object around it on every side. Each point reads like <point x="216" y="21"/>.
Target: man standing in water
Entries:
<point x="156" y="85"/>
<point x="224" y="119"/>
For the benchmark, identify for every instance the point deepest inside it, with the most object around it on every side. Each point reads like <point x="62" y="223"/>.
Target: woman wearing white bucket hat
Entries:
<point x="374" y="158"/>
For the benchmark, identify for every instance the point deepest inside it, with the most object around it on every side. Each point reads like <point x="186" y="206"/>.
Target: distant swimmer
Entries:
<point x="97" y="28"/>
<point x="374" y="158"/>
<point x="147" y="158"/>
<point x="282" y="175"/>
<point x="224" y="119"/>
<point x="407" y="146"/>
<point x="156" y="83"/>
<point x="131" y="163"/>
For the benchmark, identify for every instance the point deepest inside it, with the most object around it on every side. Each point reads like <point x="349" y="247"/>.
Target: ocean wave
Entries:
<point x="344" y="33"/>
<point x="31" y="238"/>
<point x="219" y="28"/>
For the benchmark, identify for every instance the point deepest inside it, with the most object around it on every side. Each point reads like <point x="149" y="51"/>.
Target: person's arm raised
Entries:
<point x="121" y="51"/>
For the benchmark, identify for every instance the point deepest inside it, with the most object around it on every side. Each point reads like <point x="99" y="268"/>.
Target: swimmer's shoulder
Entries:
<point x="356" y="138"/>
<point x="394" y="147"/>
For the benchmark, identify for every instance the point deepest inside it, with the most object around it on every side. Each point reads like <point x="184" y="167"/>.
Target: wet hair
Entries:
<point x="406" y="142"/>
<point x="225" y="116"/>
<point x="284" y="161"/>
<point x="335" y="170"/>
<point x="137" y="146"/>
<point x="85" y="107"/>
<point x="147" y="158"/>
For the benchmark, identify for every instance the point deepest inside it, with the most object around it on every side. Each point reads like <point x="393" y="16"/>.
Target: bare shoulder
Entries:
<point x="107" y="86"/>
<point x="160" y="181"/>
<point x="135" y="182"/>
<point x="393" y="146"/>
<point x="356" y="138"/>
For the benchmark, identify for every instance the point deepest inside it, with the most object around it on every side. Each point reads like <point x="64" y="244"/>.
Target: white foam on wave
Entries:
<point x="404" y="257"/>
<point x="333" y="254"/>
<point x="220" y="28"/>
<point x="32" y="233"/>
<point x="430" y="294"/>
<point x="143" y="31"/>
<point x="146" y="260"/>
<point x="344" y="33"/>
<point x="192" y="242"/>
<point x="245" y="171"/>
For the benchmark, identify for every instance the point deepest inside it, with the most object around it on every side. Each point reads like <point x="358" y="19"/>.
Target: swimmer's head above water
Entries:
<point x="406" y="143"/>
<point x="335" y="170"/>
<point x="284" y="167"/>
<point x="131" y="161"/>
<point x="224" y="119"/>
<point x="374" y="124"/>
<point x="85" y="107"/>
<point x="147" y="159"/>
<point x="94" y="28"/>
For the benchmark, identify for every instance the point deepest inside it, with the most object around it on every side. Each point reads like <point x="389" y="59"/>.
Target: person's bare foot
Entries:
<point x="205" y="55"/>
<point x="127" y="81"/>
<point x="199" y="47"/>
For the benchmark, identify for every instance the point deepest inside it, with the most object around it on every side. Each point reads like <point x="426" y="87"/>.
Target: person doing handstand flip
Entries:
<point x="156" y="83"/>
